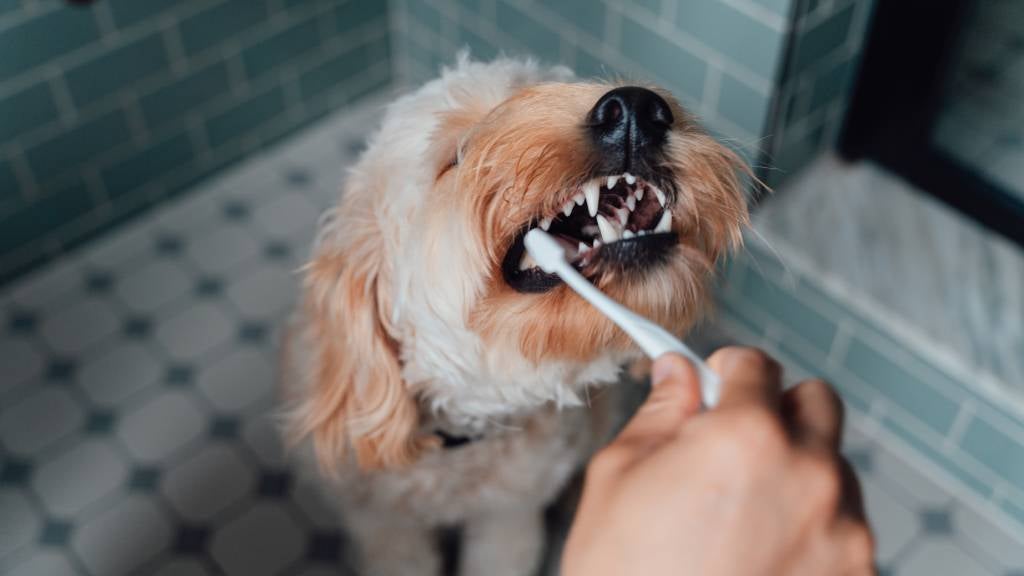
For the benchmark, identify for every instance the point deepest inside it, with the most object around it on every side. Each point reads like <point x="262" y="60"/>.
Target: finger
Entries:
<point x="674" y="397"/>
<point x="749" y="376"/>
<point x="814" y="414"/>
<point x="852" y="504"/>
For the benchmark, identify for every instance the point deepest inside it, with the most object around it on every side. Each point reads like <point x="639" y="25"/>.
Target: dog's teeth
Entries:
<point x="592" y="194"/>
<point x="661" y="196"/>
<point x="597" y="244"/>
<point x="545" y="223"/>
<point x="590" y="230"/>
<point x="628" y="234"/>
<point x="622" y="215"/>
<point x="582" y="248"/>
<point x="630" y="179"/>
<point x="612" y="181"/>
<point x="579" y="199"/>
<point x="527" y="262"/>
<point x="639" y="194"/>
<point x="567" y="209"/>
<point x="665" y="224"/>
<point x="631" y="203"/>
<point x="608" y="232"/>
<point x="641" y="232"/>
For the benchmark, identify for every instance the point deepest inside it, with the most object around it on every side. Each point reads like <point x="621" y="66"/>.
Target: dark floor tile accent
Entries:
<point x="180" y="375"/>
<point x="100" y="422"/>
<point x="98" y="282"/>
<point x="225" y="427"/>
<point x="274" y="484"/>
<point x="253" y="332"/>
<point x="61" y="370"/>
<point x="137" y="327"/>
<point x="277" y="250"/>
<point x="324" y="547"/>
<point x="144" y="479"/>
<point x="22" y="321"/>
<point x="169" y="245"/>
<point x="937" y="522"/>
<point x="298" y="177"/>
<point x="862" y="460"/>
<point x="235" y="210"/>
<point x="209" y="286"/>
<point x="192" y="540"/>
<point x="55" y="533"/>
<point x="353" y="147"/>
<point x="15" y="472"/>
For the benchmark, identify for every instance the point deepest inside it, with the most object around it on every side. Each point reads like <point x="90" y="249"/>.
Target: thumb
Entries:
<point x="674" y="397"/>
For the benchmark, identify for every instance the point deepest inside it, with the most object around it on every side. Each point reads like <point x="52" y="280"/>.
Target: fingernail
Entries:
<point x="664" y="368"/>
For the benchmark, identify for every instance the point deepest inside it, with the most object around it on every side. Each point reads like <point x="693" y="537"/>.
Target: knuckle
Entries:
<point x="754" y="434"/>
<point x="609" y="461"/>
<point x="755" y="359"/>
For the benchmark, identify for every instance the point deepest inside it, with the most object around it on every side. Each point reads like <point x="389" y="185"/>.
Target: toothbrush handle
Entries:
<point x="652" y="339"/>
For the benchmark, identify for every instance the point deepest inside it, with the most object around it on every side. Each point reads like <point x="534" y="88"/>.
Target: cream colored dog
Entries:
<point x="439" y="377"/>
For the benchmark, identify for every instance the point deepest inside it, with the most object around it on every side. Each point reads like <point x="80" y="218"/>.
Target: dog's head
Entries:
<point x="420" y="292"/>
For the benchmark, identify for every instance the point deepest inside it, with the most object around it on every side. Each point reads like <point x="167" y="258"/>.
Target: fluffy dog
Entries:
<point x="436" y="374"/>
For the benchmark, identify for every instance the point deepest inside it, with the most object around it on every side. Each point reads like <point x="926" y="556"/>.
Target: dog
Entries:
<point x="432" y="371"/>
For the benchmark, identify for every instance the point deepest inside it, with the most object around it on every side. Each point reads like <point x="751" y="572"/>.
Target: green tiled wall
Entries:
<point x="884" y="379"/>
<point x="106" y="110"/>
<point x="720" y="58"/>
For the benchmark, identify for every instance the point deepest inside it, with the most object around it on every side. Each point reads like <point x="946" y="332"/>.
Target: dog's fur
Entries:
<point x="407" y="326"/>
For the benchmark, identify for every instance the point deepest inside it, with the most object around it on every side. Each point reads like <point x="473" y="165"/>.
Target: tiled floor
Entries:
<point x="136" y="434"/>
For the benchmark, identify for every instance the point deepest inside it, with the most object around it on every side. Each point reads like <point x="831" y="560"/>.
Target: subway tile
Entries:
<point x="733" y="34"/>
<point x="681" y="70"/>
<point x="66" y="152"/>
<point x="336" y="71"/>
<point x="996" y="448"/>
<point x="212" y="26"/>
<point x="739" y="311"/>
<point x="480" y="48"/>
<point x="653" y="6"/>
<point x="355" y="13"/>
<point x="128" y="12"/>
<point x="586" y="15"/>
<point x="589" y="66"/>
<point x="245" y="117"/>
<point x="1015" y="510"/>
<point x="286" y="45"/>
<point x="966" y="475"/>
<point x="421" y="12"/>
<point x="148" y="164"/>
<point x="789" y="310"/>
<point x="820" y="41"/>
<point x="742" y="105"/>
<point x="778" y="7"/>
<point x="168" y="104"/>
<point x="891" y="379"/>
<point x="43" y="38"/>
<point x="46" y="214"/>
<point x="9" y="189"/>
<point x="7" y="6"/>
<point x="35" y="107"/>
<point x="529" y="33"/>
<point x="117" y="68"/>
<point x="814" y="363"/>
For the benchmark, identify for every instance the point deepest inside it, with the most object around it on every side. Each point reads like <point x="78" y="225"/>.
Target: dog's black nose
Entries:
<point x="627" y="122"/>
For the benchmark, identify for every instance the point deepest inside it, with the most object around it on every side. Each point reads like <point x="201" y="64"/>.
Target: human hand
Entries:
<point x="754" y="486"/>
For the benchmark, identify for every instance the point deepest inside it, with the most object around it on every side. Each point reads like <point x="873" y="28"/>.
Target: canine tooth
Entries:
<point x="608" y="232"/>
<point x="597" y="244"/>
<point x="579" y="199"/>
<point x="639" y="194"/>
<point x="592" y="194"/>
<point x="641" y="232"/>
<point x="582" y="248"/>
<point x="631" y="203"/>
<point x="628" y="234"/>
<point x="665" y="224"/>
<point x="545" y="223"/>
<point x="661" y="196"/>
<point x="567" y="209"/>
<point x="612" y="181"/>
<point x="630" y="179"/>
<point x="527" y="262"/>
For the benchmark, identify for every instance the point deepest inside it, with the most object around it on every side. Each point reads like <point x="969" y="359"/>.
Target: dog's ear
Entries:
<point x="356" y="400"/>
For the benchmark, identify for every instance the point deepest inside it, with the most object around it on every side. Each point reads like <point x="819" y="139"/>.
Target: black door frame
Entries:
<point x="896" y="102"/>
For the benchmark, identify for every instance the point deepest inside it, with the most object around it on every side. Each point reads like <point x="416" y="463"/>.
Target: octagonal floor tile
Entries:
<point x="161" y="426"/>
<point x="123" y="537"/>
<point x="209" y="482"/>
<point x="262" y="541"/>
<point x="87" y="472"/>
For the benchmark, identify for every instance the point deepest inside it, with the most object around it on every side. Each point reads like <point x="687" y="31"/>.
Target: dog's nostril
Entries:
<point x="626" y="122"/>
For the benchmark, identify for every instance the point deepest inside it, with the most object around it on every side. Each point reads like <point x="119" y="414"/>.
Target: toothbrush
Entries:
<point x="652" y="339"/>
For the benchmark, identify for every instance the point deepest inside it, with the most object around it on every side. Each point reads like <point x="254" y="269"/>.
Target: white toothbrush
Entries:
<point x="652" y="339"/>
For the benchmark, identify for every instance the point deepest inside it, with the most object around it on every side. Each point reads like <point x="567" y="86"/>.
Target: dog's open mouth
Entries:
<point x="619" y="222"/>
